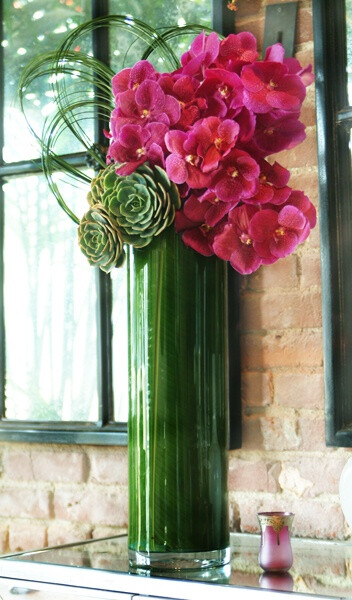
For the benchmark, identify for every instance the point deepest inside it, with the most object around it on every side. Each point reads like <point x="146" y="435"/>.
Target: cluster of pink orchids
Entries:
<point x="210" y="124"/>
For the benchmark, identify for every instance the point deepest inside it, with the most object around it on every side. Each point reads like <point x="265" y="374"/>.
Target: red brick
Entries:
<point x="308" y="112"/>
<point x="25" y="502"/>
<point x="247" y="8"/>
<point x="299" y="390"/>
<point x="312" y="432"/>
<point x="286" y="349"/>
<point x="26" y="535"/>
<point x="250" y="475"/>
<point x="252" y="437"/>
<point x="96" y="506"/>
<point x="303" y="155"/>
<point x="60" y="532"/>
<point x="317" y="519"/>
<point x="306" y="180"/>
<point x="4" y="537"/>
<point x="109" y="467"/>
<point x="248" y="507"/>
<point x="282" y="274"/>
<point x="280" y="433"/>
<point x="256" y="388"/>
<point x="313" y="519"/>
<point x="313" y="241"/>
<point x="305" y="55"/>
<point x="274" y="470"/>
<point x="304" y="29"/>
<point x="275" y="311"/>
<point x="311" y="270"/>
<point x="17" y="465"/>
<point x="60" y="466"/>
<point x="311" y="477"/>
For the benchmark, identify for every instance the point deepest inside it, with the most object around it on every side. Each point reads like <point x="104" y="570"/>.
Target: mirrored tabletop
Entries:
<point x="320" y="568"/>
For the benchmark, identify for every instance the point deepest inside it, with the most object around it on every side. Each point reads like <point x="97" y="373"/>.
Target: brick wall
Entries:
<point x="284" y="463"/>
<point x="55" y="494"/>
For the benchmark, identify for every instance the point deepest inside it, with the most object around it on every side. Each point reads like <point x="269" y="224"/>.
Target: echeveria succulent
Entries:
<point x="143" y="203"/>
<point x="97" y="186"/>
<point x="100" y="240"/>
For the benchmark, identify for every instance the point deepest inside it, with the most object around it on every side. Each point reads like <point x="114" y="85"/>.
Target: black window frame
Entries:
<point x="105" y="431"/>
<point x="334" y="122"/>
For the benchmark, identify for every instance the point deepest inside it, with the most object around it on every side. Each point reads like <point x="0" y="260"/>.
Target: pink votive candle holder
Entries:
<point x="275" y="554"/>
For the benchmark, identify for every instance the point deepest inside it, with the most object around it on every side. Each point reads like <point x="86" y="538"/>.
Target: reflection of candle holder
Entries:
<point x="275" y="552"/>
<point x="276" y="581"/>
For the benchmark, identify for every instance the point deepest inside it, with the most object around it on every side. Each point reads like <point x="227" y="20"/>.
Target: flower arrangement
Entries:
<point x="189" y="147"/>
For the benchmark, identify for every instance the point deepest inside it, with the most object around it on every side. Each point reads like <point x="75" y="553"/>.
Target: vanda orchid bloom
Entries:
<point x="211" y="125"/>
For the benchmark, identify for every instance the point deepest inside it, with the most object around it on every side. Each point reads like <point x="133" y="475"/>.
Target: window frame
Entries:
<point x="334" y="123"/>
<point x="105" y="431"/>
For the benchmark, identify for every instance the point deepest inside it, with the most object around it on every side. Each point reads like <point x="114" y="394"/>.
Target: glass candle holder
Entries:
<point x="275" y="554"/>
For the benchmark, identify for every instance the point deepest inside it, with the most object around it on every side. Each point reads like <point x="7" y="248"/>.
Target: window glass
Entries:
<point x="349" y="47"/>
<point x="159" y="15"/>
<point x="33" y="27"/>
<point x="50" y="309"/>
<point x="120" y="344"/>
<point x="52" y="370"/>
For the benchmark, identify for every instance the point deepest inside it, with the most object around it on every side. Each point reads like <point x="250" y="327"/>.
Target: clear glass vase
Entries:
<point x="178" y="421"/>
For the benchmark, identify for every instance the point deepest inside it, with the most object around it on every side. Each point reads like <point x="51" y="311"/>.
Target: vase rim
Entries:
<point x="276" y="513"/>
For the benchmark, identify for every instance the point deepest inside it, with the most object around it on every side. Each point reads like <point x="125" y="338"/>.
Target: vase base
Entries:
<point x="177" y="561"/>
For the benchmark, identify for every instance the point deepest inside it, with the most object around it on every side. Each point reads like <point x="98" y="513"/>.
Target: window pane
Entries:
<point x="32" y="27"/>
<point x="159" y="15"/>
<point x="50" y="309"/>
<point x="120" y="344"/>
<point x="349" y="47"/>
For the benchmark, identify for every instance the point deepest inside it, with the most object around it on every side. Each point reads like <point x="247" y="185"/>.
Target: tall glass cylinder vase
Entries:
<point x="178" y="422"/>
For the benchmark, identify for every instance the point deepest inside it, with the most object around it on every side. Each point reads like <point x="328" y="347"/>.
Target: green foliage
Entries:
<point x="82" y="90"/>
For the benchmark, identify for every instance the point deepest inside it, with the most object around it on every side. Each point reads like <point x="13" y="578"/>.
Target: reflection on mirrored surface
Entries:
<point x="276" y="581"/>
<point x="320" y="567"/>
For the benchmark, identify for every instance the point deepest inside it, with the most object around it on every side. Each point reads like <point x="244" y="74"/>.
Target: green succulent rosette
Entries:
<point x="100" y="240"/>
<point x="97" y="188"/>
<point x="143" y="203"/>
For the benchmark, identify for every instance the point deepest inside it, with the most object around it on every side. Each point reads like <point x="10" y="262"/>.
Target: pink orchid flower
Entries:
<point x="238" y="177"/>
<point x="135" y="145"/>
<point x="202" y="53"/>
<point x="191" y="220"/>
<point x="277" y="234"/>
<point x="197" y="153"/>
<point x="268" y="85"/>
<point x="278" y="130"/>
<point x="131" y="78"/>
<point x="234" y="243"/>
<point x="236" y="50"/>
<point x="148" y="103"/>
<point x="272" y="186"/>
